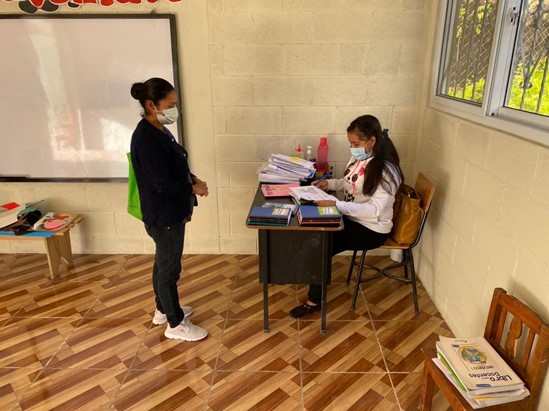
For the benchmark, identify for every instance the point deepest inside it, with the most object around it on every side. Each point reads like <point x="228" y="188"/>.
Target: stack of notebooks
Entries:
<point x="318" y="215"/>
<point x="274" y="216"/>
<point x="285" y="169"/>
<point x="478" y="371"/>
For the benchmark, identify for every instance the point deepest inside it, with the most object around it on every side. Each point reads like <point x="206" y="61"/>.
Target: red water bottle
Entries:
<point x="322" y="156"/>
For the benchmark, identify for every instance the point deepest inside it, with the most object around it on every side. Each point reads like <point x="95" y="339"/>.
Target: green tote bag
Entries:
<point x="134" y="204"/>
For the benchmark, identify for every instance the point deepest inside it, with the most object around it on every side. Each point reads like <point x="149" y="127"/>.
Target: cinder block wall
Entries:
<point x="285" y="73"/>
<point x="259" y="77"/>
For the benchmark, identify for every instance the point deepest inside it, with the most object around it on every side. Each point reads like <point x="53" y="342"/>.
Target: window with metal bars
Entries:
<point x="494" y="56"/>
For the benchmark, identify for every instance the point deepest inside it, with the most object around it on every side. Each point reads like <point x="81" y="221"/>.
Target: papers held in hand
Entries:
<point x="270" y="216"/>
<point x="310" y="194"/>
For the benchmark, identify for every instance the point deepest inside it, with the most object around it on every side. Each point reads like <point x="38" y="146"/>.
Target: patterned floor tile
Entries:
<point x="247" y="301"/>
<point x="248" y="269"/>
<point x="31" y="342"/>
<point x="27" y="267"/>
<point x="164" y="390"/>
<point x="339" y="304"/>
<point x="86" y="339"/>
<point x="209" y="268"/>
<point x="245" y="347"/>
<point x="101" y="343"/>
<point x="13" y="384"/>
<point x="16" y="294"/>
<point x="255" y="390"/>
<point x="96" y="267"/>
<point x="123" y="299"/>
<point x="408" y="388"/>
<point x="137" y="267"/>
<point x="209" y="300"/>
<point x="348" y="346"/>
<point x="158" y="352"/>
<point x="73" y="389"/>
<point x="390" y="300"/>
<point x="348" y="391"/>
<point x="67" y="299"/>
<point x="401" y="341"/>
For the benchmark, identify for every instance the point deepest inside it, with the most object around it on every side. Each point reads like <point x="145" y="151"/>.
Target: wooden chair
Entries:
<point x="520" y="337"/>
<point x="425" y="190"/>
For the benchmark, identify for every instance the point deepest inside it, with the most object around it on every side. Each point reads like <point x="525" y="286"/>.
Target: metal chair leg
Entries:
<point x="358" y="278"/>
<point x="414" y="288"/>
<point x="351" y="267"/>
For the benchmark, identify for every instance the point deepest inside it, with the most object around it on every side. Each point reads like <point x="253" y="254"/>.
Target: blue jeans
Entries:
<point x="167" y="268"/>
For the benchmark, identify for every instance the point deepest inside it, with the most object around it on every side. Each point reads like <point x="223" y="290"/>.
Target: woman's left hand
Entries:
<point x="325" y="203"/>
<point x="200" y="187"/>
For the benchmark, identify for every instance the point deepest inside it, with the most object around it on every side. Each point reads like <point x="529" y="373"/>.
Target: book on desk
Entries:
<point x="277" y="190"/>
<point x="279" y="216"/>
<point x="318" y="215"/>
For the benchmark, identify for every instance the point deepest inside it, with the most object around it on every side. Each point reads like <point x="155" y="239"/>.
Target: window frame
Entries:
<point x="491" y="113"/>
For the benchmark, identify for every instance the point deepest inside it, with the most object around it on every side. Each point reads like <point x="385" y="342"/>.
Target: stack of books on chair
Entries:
<point x="285" y="169"/>
<point x="272" y="216"/>
<point x="478" y="371"/>
<point x="318" y="215"/>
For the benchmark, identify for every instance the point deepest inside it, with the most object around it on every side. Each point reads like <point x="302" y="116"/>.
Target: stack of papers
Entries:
<point x="285" y="169"/>
<point x="479" y="372"/>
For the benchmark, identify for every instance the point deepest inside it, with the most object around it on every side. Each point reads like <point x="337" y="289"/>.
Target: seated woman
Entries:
<point x="370" y="182"/>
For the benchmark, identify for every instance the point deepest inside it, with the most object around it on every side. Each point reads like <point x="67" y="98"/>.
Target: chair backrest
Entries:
<point x="521" y="338"/>
<point x="425" y="189"/>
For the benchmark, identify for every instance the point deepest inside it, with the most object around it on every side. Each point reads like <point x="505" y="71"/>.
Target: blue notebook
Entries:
<point x="270" y="216"/>
<point x="318" y="212"/>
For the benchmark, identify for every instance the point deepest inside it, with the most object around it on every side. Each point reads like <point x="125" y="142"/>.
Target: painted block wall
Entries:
<point x="259" y="77"/>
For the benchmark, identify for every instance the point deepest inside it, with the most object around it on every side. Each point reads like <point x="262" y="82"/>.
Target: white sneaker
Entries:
<point x="160" y="318"/>
<point x="185" y="331"/>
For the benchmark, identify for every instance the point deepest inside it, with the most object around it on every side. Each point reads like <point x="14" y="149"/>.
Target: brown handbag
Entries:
<point x="407" y="215"/>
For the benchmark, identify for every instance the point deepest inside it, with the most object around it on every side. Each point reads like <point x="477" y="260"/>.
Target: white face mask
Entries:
<point x="168" y="116"/>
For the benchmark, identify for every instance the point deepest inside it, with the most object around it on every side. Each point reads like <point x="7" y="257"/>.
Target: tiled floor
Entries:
<point x="86" y="341"/>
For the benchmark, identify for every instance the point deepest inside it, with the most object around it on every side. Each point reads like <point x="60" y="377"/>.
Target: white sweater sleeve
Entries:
<point x="370" y="210"/>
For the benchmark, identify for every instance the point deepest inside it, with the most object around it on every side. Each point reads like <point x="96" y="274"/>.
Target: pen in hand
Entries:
<point x="324" y="177"/>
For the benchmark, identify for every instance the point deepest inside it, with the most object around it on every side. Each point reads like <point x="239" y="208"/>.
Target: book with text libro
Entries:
<point x="477" y="366"/>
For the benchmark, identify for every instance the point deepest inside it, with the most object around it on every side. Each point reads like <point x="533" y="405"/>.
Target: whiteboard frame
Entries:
<point x="171" y="18"/>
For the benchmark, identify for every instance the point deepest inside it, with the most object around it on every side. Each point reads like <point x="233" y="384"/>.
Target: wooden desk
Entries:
<point x="293" y="254"/>
<point x="58" y="244"/>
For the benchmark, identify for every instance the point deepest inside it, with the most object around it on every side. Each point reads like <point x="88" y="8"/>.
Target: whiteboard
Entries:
<point x="65" y="106"/>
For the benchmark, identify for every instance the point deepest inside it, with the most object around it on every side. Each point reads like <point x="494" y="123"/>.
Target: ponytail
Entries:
<point x="384" y="168"/>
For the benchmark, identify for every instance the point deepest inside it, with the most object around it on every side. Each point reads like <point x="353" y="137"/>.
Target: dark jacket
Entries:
<point x="163" y="176"/>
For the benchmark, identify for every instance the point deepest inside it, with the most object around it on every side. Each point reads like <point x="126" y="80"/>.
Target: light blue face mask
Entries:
<point x="360" y="154"/>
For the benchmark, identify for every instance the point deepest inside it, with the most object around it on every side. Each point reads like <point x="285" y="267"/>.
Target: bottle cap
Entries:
<point x="323" y="139"/>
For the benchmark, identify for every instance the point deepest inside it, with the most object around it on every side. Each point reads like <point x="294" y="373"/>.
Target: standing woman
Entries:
<point x="167" y="191"/>
<point x="370" y="182"/>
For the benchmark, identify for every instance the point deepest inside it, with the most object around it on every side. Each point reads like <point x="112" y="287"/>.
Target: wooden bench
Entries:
<point x="58" y="244"/>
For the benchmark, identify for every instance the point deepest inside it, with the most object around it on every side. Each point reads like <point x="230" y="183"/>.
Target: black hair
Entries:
<point x="154" y="89"/>
<point x="381" y="169"/>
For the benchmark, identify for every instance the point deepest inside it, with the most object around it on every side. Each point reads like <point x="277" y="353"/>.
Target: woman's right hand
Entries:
<point x="200" y="188"/>
<point x="323" y="185"/>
